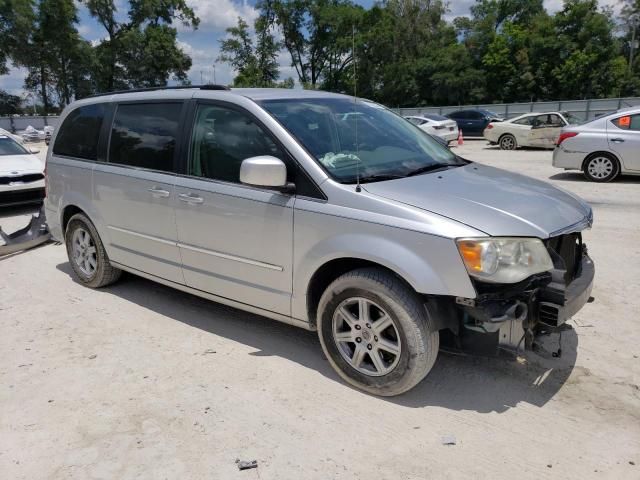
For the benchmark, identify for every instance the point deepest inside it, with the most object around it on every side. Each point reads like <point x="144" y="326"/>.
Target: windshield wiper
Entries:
<point x="431" y="168"/>
<point x="376" y="178"/>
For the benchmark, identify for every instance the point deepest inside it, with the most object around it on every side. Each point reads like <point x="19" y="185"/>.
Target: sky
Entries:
<point x="202" y="45"/>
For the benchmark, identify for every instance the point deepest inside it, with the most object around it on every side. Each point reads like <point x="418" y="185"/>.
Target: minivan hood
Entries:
<point x="20" y="163"/>
<point x="495" y="201"/>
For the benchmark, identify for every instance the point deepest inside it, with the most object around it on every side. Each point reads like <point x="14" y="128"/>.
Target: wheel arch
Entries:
<point x="331" y="270"/>
<point x="504" y="134"/>
<point x="600" y="152"/>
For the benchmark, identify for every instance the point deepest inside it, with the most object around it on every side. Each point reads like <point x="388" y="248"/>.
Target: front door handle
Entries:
<point x="190" y="198"/>
<point x="617" y="140"/>
<point x="158" y="192"/>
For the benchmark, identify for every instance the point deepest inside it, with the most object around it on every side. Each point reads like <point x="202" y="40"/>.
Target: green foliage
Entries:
<point x="256" y="65"/>
<point x="141" y="51"/>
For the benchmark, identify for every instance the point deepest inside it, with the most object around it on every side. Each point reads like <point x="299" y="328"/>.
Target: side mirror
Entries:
<point x="34" y="150"/>
<point x="264" y="171"/>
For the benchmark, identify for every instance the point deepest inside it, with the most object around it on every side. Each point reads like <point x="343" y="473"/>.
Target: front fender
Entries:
<point x="430" y="264"/>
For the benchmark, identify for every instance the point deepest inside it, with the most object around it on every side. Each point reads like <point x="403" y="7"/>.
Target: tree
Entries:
<point x="17" y="19"/>
<point x="9" y="104"/>
<point x="256" y="65"/>
<point x="127" y="57"/>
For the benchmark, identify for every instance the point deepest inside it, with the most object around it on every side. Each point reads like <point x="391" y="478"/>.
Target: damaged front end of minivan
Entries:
<point x="511" y="316"/>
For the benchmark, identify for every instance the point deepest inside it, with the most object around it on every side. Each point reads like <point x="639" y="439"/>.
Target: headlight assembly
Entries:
<point x="504" y="259"/>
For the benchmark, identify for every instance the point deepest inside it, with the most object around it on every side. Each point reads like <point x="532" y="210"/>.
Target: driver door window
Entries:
<point x="222" y="138"/>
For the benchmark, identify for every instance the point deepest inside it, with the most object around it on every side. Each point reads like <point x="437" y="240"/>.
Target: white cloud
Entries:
<point x="222" y="14"/>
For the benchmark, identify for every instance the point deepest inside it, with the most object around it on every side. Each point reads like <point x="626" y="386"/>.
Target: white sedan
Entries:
<point x="436" y="125"/>
<point x="21" y="174"/>
<point x="530" y="130"/>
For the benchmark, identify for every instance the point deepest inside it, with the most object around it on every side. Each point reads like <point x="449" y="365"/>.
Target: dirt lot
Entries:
<point x="141" y="381"/>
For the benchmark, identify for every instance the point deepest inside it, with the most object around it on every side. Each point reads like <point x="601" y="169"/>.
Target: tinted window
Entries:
<point x="144" y="135"/>
<point x="459" y="115"/>
<point x="474" y="115"/>
<point x="222" y="138"/>
<point x="628" y="122"/>
<point x="79" y="133"/>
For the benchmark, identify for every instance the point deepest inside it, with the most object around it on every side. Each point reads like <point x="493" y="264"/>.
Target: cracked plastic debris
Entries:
<point x="245" y="465"/>
<point x="34" y="234"/>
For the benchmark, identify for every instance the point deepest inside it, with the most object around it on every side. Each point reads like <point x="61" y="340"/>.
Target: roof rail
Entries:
<point x="152" y="89"/>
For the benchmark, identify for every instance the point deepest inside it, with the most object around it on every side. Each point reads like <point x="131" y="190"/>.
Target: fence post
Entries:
<point x="12" y="126"/>
<point x="586" y="116"/>
<point x="506" y="111"/>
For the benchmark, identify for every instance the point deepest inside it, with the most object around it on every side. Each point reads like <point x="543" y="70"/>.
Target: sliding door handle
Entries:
<point x="190" y="198"/>
<point x="617" y="140"/>
<point x="158" y="192"/>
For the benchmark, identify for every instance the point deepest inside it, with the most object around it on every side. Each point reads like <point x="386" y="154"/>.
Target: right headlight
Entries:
<point x="504" y="259"/>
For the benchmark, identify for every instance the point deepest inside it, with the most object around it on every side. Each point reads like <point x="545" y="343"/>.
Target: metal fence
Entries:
<point x="583" y="109"/>
<point x="18" y="124"/>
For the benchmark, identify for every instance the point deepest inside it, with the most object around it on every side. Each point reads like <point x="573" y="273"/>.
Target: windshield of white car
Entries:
<point x="11" y="147"/>
<point x="433" y="116"/>
<point x="352" y="139"/>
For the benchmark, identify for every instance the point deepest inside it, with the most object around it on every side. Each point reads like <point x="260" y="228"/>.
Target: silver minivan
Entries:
<point x="322" y="211"/>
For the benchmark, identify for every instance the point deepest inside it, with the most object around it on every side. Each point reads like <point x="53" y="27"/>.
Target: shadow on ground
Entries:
<point x="456" y="382"/>
<point x="576" y="176"/>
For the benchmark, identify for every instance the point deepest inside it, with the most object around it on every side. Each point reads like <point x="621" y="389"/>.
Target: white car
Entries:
<point x="436" y="125"/>
<point x="602" y="148"/>
<point x="17" y="138"/>
<point x="529" y="130"/>
<point x="21" y="174"/>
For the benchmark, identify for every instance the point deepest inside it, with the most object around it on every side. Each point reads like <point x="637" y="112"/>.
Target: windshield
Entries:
<point x="350" y="138"/>
<point x="433" y="116"/>
<point x="9" y="147"/>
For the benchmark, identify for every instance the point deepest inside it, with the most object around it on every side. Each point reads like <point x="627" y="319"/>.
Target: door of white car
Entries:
<point x="134" y="189"/>
<point x="235" y="240"/>
<point x="519" y="128"/>
<point x="623" y="135"/>
<point x="545" y="130"/>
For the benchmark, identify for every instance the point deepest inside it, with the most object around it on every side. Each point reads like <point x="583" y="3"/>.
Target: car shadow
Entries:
<point x="456" y="382"/>
<point x="576" y="176"/>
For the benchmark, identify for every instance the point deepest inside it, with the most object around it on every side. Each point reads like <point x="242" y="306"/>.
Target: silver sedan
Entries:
<point x="602" y="148"/>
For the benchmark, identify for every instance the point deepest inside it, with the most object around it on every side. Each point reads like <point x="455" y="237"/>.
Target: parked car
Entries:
<point x="529" y="130"/>
<point x="270" y="201"/>
<point x="436" y="125"/>
<point x="21" y="174"/>
<point x="602" y="148"/>
<point x="16" y="138"/>
<point x="473" y="122"/>
<point x="31" y="134"/>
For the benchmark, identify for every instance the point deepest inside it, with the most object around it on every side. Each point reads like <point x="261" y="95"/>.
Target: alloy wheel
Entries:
<point x="366" y="336"/>
<point x="84" y="252"/>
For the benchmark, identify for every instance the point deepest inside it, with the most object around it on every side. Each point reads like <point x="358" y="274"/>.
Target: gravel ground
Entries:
<point x="142" y="381"/>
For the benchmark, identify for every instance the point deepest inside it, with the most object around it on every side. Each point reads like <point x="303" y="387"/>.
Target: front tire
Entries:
<point x="508" y="142"/>
<point x="601" y="167"/>
<point x="375" y="332"/>
<point x="87" y="255"/>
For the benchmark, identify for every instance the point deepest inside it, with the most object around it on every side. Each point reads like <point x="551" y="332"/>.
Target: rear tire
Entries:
<point x="375" y="332"/>
<point x="87" y="255"/>
<point x="601" y="167"/>
<point x="508" y="142"/>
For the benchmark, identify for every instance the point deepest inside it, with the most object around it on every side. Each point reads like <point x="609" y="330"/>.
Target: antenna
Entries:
<point x="355" y="100"/>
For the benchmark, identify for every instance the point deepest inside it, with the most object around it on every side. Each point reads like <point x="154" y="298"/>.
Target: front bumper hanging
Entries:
<point x="34" y="234"/>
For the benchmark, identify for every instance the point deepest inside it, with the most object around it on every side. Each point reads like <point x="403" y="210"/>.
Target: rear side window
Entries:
<point x="144" y="135"/>
<point x="79" y="133"/>
<point x="524" y="121"/>
<point x="628" y="122"/>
